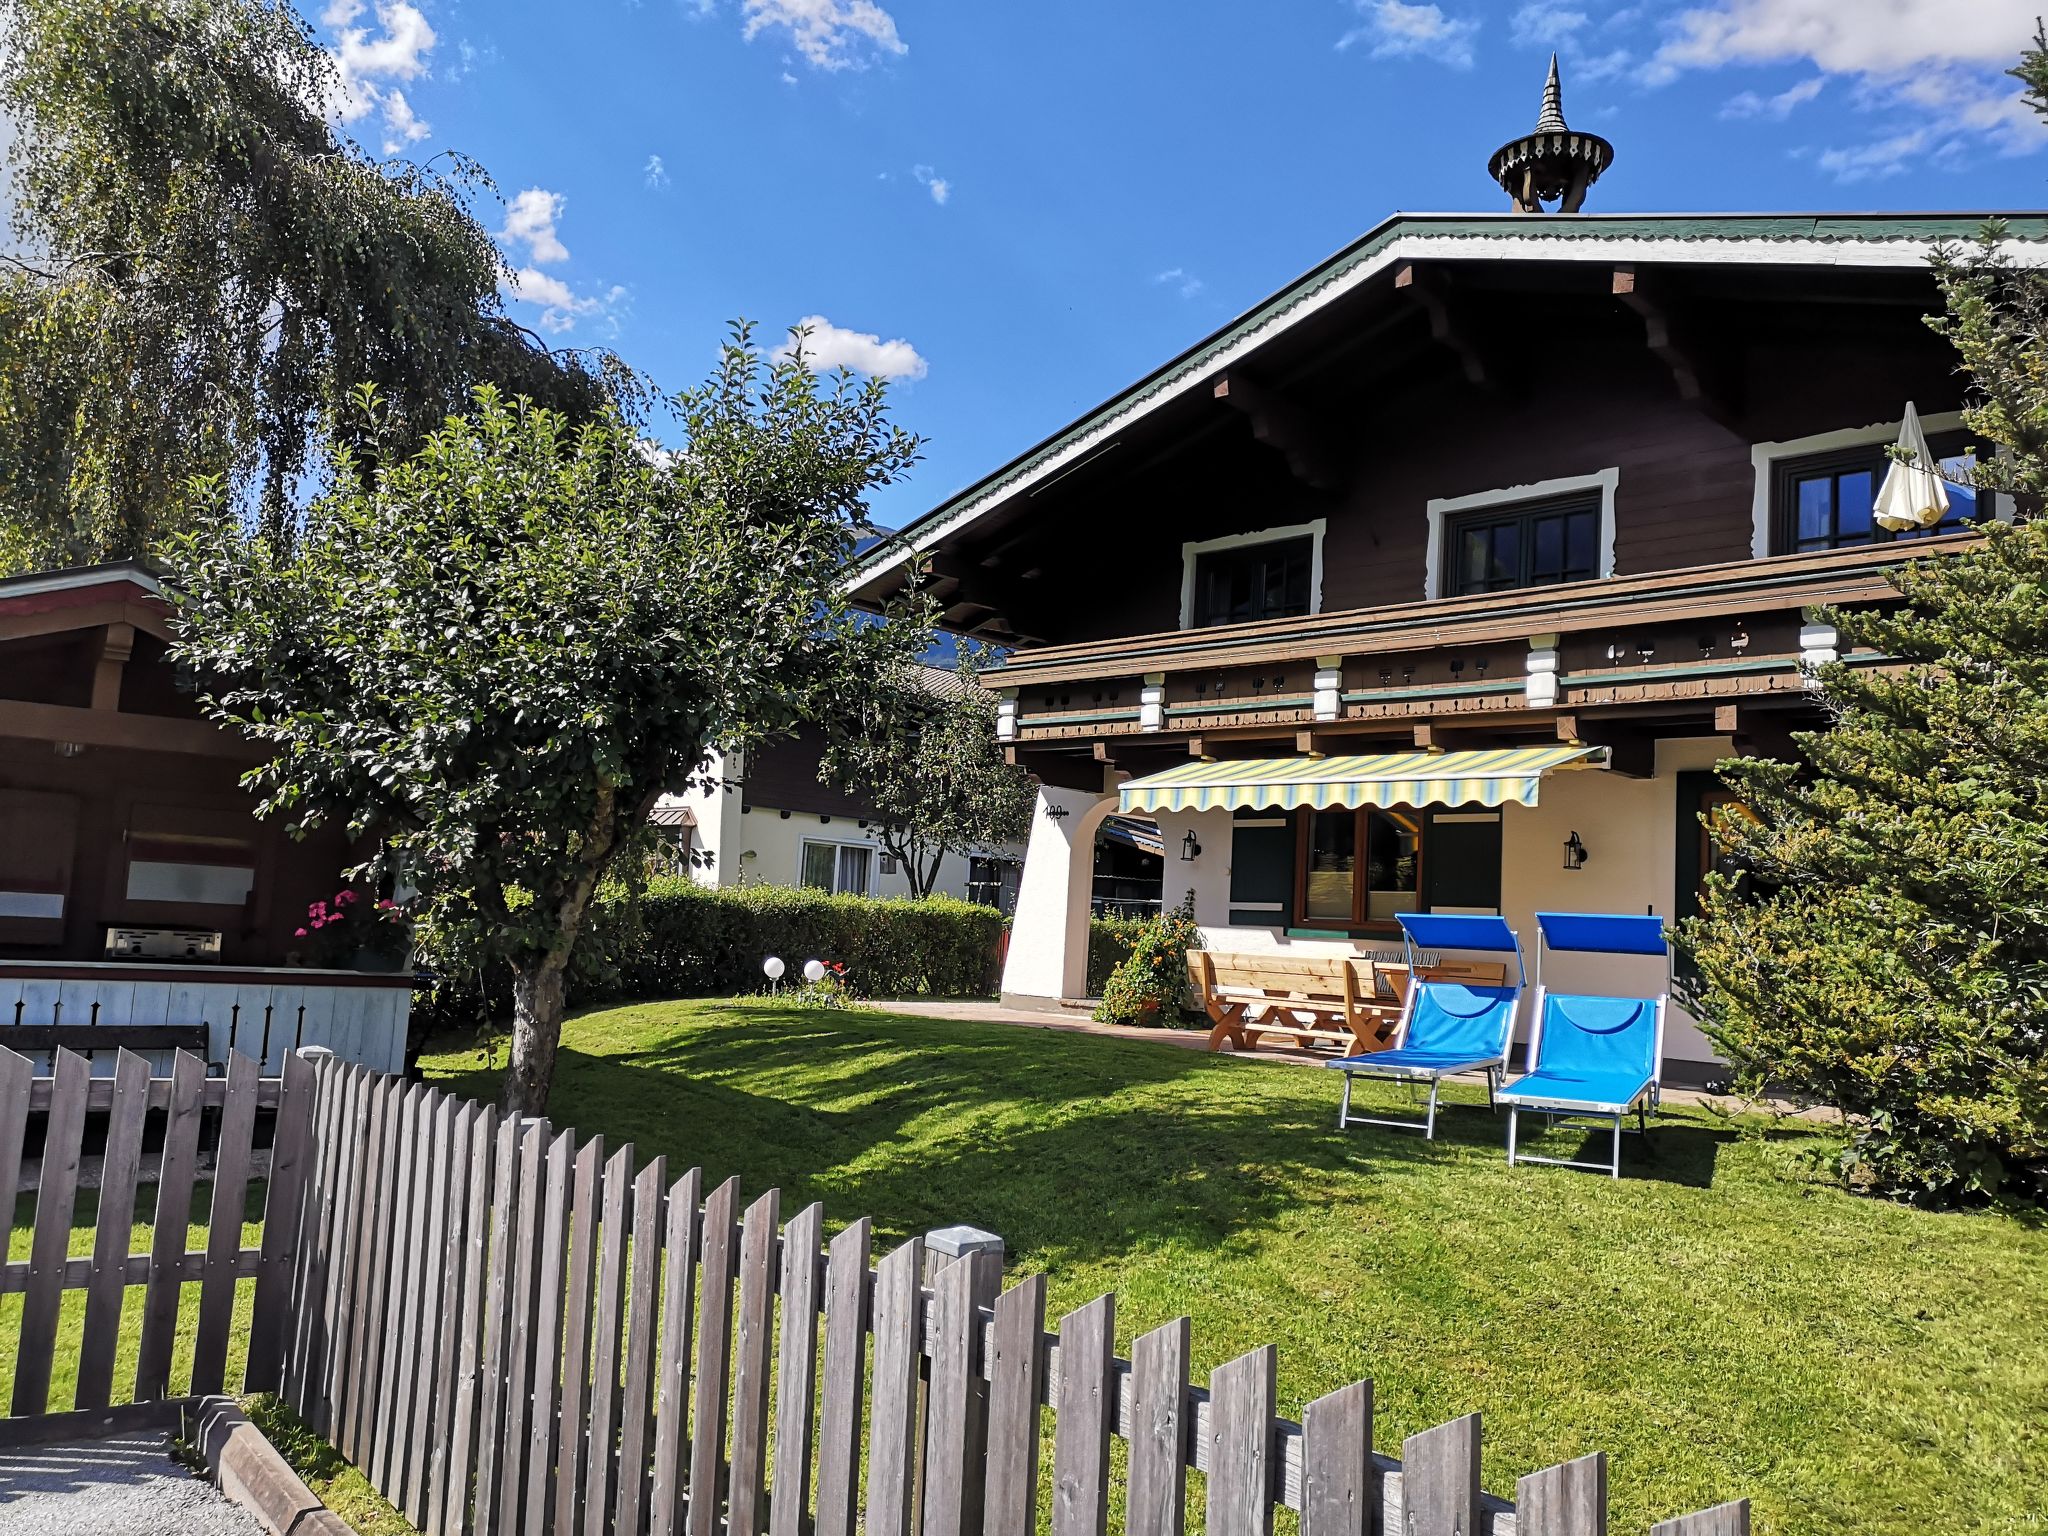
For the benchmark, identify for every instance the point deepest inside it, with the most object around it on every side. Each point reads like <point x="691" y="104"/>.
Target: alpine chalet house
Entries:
<point x="1440" y="580"/>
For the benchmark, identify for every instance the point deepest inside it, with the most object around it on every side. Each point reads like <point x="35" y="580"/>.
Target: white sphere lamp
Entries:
<point x="773" y="967"/>
<point x="814" y="970"/>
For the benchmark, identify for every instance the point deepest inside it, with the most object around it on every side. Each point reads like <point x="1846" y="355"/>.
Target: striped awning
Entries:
<point x="1508" y="775"/>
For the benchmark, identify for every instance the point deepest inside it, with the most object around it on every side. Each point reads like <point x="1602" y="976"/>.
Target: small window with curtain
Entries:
<point x="1523" y="544"/>
<point x="1823" y="500"/>
<point x="844" y="869"/>
<point x="1247" y="582"/>
<point x="1359" y="868"/>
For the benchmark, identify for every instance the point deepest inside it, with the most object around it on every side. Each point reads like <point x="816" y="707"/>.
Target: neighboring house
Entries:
<point x="1442" y="577"/>
<point x="137" y="886"/>
<point x="773" y="821"/>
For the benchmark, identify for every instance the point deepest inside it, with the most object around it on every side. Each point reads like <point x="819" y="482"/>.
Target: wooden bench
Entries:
<point x="1347" y="1001"/>
<point x="88" y="1038"/>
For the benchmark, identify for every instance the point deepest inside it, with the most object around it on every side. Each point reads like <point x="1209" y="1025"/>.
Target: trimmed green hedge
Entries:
<point x="1109" y="945"/>
<point x="680" y="939"/>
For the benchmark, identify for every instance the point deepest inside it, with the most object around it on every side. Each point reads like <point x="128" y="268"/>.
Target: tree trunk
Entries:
<point x="537" y="994"/>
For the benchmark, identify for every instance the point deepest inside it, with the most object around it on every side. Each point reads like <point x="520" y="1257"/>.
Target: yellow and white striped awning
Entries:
<point x="1505" y="776"/>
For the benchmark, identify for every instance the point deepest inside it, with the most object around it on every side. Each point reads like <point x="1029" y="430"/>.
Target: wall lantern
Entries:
<point x="1574" y="852"/>
<point x="1190" y="850"/>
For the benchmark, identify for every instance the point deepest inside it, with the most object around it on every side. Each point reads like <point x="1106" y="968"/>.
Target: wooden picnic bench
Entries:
<point x="1351" y="1002"/>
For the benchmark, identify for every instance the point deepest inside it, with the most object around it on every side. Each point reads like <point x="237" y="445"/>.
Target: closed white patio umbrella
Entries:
<point x="1913" y="495"/>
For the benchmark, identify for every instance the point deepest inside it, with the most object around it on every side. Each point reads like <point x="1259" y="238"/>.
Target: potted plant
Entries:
<point x="1150" y="986"/>
<point x="343" y="933"/>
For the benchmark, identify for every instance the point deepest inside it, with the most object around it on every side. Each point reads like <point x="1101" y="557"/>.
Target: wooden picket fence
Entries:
<point x="513" y="1333"/>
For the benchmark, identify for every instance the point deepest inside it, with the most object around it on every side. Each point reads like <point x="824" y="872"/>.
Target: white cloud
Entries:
<point x="402" y="126"/>
<point x="400" y="53"/>
<point x="562" y="306"/>
<point x="827" y="346"/>
<point x="1544" y="24"/>
<point x="655" y="173"/>
<point x="1182" y="281"/>
<point x="940" y="188"/>
<point x="530" y="221"/>
<point x="1398" y="30"/>
<point x="340" y="13"/>
<point x="829" y="34"/>
<point x="1935" y="70"/>
<point x="533" y="286"/>
<point x="1776" y="108"/>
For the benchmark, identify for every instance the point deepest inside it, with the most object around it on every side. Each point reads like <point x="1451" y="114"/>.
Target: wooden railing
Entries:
<point x="510" y="1331"/>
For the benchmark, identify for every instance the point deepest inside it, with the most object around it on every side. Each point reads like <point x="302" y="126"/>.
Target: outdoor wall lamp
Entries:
<point x="1190" y="850"/>
<point x="1574" y="852"/>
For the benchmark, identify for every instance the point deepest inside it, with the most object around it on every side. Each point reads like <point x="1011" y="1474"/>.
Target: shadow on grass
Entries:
<point x="1072" y="1147"/>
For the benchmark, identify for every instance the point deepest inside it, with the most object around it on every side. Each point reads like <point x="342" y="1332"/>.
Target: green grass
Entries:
<point x="1722" y="1322"/>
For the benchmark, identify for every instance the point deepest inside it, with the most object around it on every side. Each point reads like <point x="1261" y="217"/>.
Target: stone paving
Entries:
<point x="116" y="1485"/>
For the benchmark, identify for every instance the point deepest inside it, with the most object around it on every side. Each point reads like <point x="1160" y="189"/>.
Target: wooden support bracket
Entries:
<point x="1431" y="293"/>
<point x="1281" y="426"/>
<point x="1698" y="380"/>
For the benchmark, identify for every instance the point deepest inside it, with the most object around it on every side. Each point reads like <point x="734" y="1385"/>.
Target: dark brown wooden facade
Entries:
<point x="105" y="760"/>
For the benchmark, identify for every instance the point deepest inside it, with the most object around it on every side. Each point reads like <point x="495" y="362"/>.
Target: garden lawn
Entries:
<point x="1723" y="1321"/>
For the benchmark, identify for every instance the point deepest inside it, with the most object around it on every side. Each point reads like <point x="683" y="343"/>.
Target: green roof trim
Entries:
<point x="1848" y="228"/>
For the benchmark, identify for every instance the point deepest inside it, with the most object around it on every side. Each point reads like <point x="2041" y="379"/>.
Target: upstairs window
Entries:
<point x="1525" y="544"/>
<point x="1247" y="582"/>
<point x="1823" y="500"/>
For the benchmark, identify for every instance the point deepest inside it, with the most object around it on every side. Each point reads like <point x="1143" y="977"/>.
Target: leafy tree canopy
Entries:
<point x="1892" y="958"/>
<point x="921" y="751"/>
<point x="497" y="652"/>
<point x="204" y="272"/>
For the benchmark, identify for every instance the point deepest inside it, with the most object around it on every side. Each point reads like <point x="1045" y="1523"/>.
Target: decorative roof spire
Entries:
<point x="1550" y="164"/>
<point x="1551" y="118"/>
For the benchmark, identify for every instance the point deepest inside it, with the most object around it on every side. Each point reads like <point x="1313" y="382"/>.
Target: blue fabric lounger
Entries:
<point x="1446" y="1026"/>
<point x="1592" y="1058"/>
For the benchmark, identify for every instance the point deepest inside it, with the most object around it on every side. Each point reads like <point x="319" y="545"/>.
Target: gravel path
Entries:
<point x="122" y="1485"/>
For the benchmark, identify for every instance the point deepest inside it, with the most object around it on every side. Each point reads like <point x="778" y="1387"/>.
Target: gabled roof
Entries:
<point x="1895" y="240"/>
<point x="83" y="597"/>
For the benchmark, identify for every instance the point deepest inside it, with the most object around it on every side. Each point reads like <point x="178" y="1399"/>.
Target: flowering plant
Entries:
<point x="339" y="930"/>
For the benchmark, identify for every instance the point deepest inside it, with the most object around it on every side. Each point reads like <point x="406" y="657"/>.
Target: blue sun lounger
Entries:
<point x="1593" y="1058"/>
<point x="1445" y="1026"/>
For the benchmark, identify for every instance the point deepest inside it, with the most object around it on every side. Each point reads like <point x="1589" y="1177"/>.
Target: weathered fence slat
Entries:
<point x="839" y="1418"/>
<point x="547" y="1332"/>
<point x="1241" y="1407"/>
<point x="796" y="1381"/>
<point x="490" y="1431"/>
<point x="1339" y="1489"/>
<point x="753" y="1345"/>
<point x="63" y="1141"/>
<point x="284" y="1198"/>
<point x="1440" y="1479"/>
<point x="892" y="1442"/>
<point x="462" y="1450"/>
<point x="672" y="1399"/>
<point x="224" y="1226"/>
<point x="520" y="1344"/>
<point x="454" y="1321"/>
<point x="306" y="1344"/>
<point x="951" y="1492"/>
<point x="1156" y="1504"/>
<point x="408" y="1213"/>
<point x="714" y="1360"/>
<point x="1016" y="1390"/>
<point x="439" y="1134"/>
<point x="172" y="1224"/>
<point x="1084" y="1414"/>
<point x="366" y="1263"/>
<point x="338" y="1310"/>
<point x="586" y="1196"/>
<point x="115" y="1230"/>
<point x="1565" y="1500"/>
<point x="17" y="1072"/>
<point x="636" y="1396"/>
<point x="600" y="1482"/>
<point x="1722" y="1520"/>
<point x="422" y="1269"/>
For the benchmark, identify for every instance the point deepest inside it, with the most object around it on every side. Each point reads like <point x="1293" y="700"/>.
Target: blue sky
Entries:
<point x="1014" y="210"/>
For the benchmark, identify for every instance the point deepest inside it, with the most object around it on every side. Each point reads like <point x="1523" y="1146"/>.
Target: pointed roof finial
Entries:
<point x="1550" y="163"/>
<point x="1551" y="119"/>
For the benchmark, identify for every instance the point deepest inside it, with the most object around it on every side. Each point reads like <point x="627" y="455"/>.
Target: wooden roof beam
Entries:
<point x="1278" y="424"/>
<point x="1698" y="379"/>
<point x="1430" y="292"/>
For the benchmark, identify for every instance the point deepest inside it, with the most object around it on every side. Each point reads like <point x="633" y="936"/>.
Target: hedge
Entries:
<point x="681" y="939"/>
<point x="1109" y="945"/>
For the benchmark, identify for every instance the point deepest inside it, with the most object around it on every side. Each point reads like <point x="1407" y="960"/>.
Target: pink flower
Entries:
<point x="319" y="922"/>
<point x="343" y="898"/>
<point x="387" y="905"/>
<point x="300" y="934"/>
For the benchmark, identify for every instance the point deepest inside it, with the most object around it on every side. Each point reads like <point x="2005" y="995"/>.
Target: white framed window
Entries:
<point x="1492" y="524"/>
<point x="1774" y="521"/>
<point x="844" y="869"/>
<point x="1274" y="573"/>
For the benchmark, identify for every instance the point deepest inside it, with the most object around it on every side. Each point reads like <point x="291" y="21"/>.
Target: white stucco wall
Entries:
<point x="1048" y="958"/>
